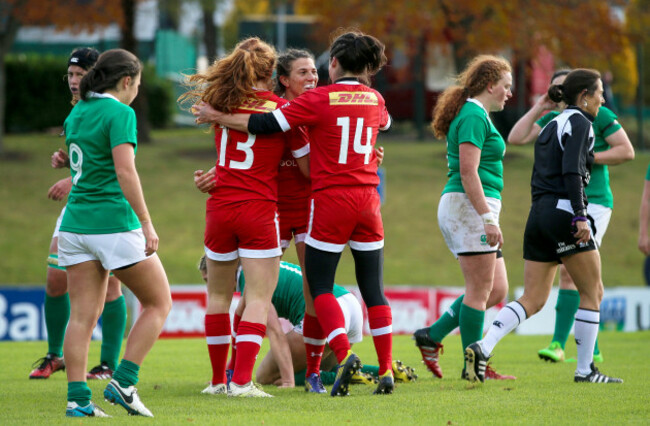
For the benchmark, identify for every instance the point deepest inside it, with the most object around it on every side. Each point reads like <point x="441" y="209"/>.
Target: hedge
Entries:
<point x="37" y="95"/>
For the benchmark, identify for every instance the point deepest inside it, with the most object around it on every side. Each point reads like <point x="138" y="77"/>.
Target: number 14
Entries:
<point x="359" y="148"/>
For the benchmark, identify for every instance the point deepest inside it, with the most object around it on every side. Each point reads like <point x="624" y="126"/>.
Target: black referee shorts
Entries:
<point x="549" y="236"/>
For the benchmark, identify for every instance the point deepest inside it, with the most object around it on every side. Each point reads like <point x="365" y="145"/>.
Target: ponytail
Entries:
<point x="447" y="108"/>
<point x="358" y="53"/>
<point x="574" y="84"/>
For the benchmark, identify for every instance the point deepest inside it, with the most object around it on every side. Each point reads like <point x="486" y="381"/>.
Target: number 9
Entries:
<point x="76" y="160"/>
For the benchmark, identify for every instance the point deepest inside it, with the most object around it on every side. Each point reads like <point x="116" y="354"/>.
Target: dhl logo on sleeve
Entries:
<point x="258" y="105"/>
<point x="353" y="98"/>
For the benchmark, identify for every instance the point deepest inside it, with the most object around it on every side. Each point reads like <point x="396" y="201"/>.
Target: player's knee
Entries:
<point x="114" y="289"/>
<point x="600" y="291"/>
<point x="166" y="305"/>
<point x="57" y="282"/>
<point x="497" y="295"/>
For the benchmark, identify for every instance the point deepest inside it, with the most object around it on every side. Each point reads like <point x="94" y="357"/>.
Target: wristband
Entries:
<point x="488" y="219"/>
<point x="578" y="219"/>
<point x="581" y="212"/>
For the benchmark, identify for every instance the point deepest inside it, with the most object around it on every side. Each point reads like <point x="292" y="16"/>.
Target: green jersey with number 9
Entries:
<point x="96" y="204"/>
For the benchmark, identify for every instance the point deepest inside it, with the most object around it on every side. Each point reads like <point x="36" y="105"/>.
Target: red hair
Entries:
<point x="481" y="71"/>
<point x="228" y="81"/>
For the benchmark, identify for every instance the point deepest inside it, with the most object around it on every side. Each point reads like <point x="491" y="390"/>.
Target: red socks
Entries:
<point x="217" y="336"/>
<point x="332" y="322"/>
<point x="315" y="339"/>
<point x="380" y="321"/>
<point x="233" y="352"/>
<point x="249" y="339"/>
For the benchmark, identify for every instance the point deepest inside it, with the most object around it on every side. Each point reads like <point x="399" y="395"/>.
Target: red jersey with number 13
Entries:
<point x="342" y="120"/>
<point x="247" y="165"/>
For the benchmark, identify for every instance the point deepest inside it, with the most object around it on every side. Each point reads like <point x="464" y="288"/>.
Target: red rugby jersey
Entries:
<point x="342" y="120"/>
<point x="247" y="165"/>
<point x="293" y="186"/>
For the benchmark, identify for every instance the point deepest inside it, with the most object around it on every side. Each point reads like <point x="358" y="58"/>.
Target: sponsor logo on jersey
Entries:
<point x="353" y="98"/>
<point x="258" y="105"/>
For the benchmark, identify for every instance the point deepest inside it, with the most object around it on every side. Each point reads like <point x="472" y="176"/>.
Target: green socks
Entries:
<point x="79" y="392"/>
<point x="471" y="325"/>
<point x="127" y="373"/>
<point x="371" y="369"/>
<point x="57" y="315"/>
<point x="447" y="321"/>
<point x="565" y="313"/>
<point x="299" y="377"/>
<point x="327" y="377"/>
<point x="113" y="326"/>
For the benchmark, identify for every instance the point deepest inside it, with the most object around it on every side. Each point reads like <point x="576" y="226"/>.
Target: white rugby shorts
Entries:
<point x="461" y="226"/>
<point x="601" y="216"/>
<point x="58" y="223"/>
<point x="113" y="251"/>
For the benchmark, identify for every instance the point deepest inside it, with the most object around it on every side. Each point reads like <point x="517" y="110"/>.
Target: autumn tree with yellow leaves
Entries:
<point x="578" y="33"/>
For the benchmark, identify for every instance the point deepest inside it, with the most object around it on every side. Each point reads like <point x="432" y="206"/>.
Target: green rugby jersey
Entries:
<point x="473" y="125"/>
<point x="96" y="204"/>
<point x="288" y="298"/>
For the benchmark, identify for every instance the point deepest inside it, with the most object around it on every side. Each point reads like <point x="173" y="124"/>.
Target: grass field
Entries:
<point x="177" y="370"/>
<point x="415" y="252"/>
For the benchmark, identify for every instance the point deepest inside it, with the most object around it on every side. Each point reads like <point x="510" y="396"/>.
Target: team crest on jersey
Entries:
<point x="258" y="105"/>
<point x="353" y="98"/>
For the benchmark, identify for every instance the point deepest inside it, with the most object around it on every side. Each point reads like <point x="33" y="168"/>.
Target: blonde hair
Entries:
<point x="479" y="73"/>
<point x="228" y="81"/>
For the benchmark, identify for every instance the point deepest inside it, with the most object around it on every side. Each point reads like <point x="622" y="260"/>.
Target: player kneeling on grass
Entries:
<point x="287" y="363"/>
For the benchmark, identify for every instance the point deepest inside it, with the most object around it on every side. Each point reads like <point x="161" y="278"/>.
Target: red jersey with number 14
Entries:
<point x="247" y="165"/>
<point x="342" y="120"/>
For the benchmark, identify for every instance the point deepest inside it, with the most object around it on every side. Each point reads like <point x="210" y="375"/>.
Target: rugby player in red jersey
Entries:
<point x="342" y="120"/>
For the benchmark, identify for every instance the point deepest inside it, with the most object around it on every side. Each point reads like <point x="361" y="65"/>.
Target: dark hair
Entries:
<point x="574" y="84"/>
<point x="111" y="66"/>
<point x="479" y="73"/>
<point x="84" y="57"/>
<point x="359" y="53"/>
<point x="560" y="73"/>
<point x="284" y="65"/>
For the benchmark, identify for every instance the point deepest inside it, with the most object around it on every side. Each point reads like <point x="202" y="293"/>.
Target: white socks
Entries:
<point x="506" y="320"/>
<point x="586" y="332"/>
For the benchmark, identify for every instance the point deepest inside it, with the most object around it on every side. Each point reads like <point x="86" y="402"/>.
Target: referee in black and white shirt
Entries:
<point x="558" y="228"/>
